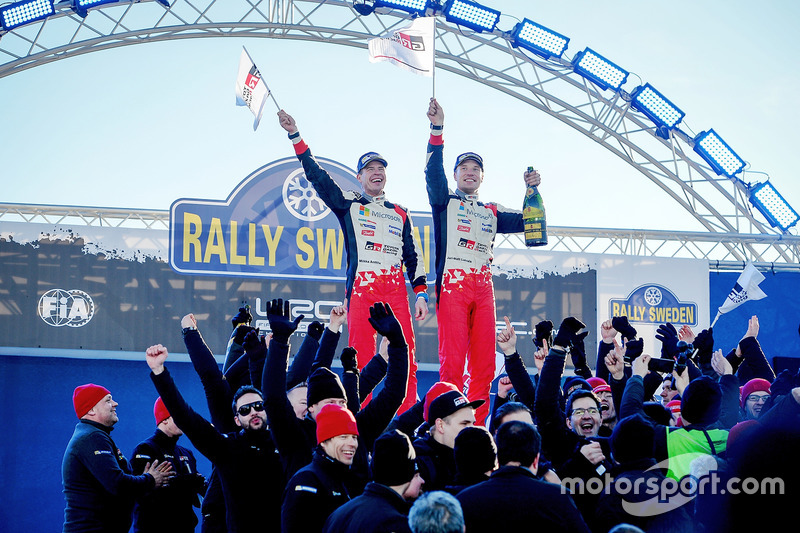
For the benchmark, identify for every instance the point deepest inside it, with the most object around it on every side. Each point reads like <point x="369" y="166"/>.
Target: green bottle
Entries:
<point x="533" y="217"/>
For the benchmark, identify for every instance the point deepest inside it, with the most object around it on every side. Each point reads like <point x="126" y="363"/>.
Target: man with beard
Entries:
<point x="248" y="464"/>
<point x="98" y="485"/>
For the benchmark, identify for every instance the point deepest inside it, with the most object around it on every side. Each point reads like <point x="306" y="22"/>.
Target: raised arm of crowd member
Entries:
<point x="515" y="367"/>
<point x="374" y="371"/>
<point x="330" y="338"/>
<point x="300" y="368"/>
<point x="608" y="335"/>
<point x="748" y="360"/>
<point x="350" y="379"/>
<point x="284" y="426"/>
<point x="217" y="390"/>
<point x="729" y="385"/>
<point x="703" y="344"/>
<point x="241" y="327"/>
<point x="374" y="418"/>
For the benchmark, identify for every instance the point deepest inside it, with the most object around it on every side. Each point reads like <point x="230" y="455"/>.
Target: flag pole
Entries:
<point x="433" y="69"/>
<point x="715" y="319"/>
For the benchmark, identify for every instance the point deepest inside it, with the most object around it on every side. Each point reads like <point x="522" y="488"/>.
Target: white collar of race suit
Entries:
<point x="467" y="197"/>
<point x="379" y="198"/>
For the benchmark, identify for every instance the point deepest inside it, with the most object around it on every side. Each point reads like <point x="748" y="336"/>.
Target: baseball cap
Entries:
<point x="438" y="388"/>
<point x="368" y="158"/>
<point x="448" y="403"/>
<point x="469" y="155"/>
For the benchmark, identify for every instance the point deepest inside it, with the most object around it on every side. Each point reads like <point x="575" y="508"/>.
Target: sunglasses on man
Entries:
<point x="244" y="410"/>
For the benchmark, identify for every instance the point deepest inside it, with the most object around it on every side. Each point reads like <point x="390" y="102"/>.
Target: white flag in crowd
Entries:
<point x="410" y="48"/>
<point x="251" y="90"/>
<point x="746" y="288"/>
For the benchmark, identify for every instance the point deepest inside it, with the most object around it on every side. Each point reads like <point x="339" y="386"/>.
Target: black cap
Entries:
<point x="323" y="384"/>
<point x="448" y="403"/>
<point x="393" y="459"/>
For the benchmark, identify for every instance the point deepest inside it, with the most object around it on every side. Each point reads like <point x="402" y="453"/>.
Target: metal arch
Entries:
<point x="719" y="204"/>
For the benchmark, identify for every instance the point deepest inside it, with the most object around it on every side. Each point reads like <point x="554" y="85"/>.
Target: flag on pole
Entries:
<point x="251" y="90"/>
<point x="410" y="48"/>
<point x="746" y="288"/>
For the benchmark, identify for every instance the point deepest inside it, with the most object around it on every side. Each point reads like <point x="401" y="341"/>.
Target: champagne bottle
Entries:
<point x="533" y="217"/>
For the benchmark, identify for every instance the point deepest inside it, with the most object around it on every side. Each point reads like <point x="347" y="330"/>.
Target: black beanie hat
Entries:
<point x="393" y="459"/>
<point x="633" y="439"/>
<point x="657" y="412"/>
<point x="475" y="451"/>
<point x="322" y="384"/>
<point x="701" y="401"/>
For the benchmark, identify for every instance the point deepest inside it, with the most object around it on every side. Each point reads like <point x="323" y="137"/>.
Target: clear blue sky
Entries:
<point x="143" y="125"/>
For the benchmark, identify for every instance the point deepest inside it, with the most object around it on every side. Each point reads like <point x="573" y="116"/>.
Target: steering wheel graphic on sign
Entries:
<point x="301" y="199"/>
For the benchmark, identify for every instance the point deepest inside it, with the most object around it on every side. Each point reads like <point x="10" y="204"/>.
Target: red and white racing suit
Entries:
<point x="464" y="231"/>
<point x="379" y="240"/>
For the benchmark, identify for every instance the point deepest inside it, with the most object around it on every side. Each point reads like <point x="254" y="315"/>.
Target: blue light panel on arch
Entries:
<point x="20" y="13"/>
<point x="82" y="6"/>
<point x="772" y="205"/>
<point x="598" y="69"/>
<point x="471" y="14"/>
<point x="717" y="153"/>
<point x="657" y="108"/>
<point x="538" y="39"/>
<point x="410" y="6"/>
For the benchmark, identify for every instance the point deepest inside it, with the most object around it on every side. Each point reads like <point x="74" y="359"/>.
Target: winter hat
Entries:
<point x="434" y="392"/>
<point x="657" y="412"/>
<point x="86" y="396"/>
<point x="393" y="459"/>
<point x="323" y="384"/>
<point x="573" y="383"/>
<point x="334" y="420"/>
<point x="632" y="439"/>
<point x="674" y="407"/>
<point x="448" y="403"/>
<point x="160" y="411"/>
<point x="739" y="434"/>
<point x="701" y="401"/>
<point x="595" y="382"/>
<point x="475" y="451"/>
<point x="754" y="385"/>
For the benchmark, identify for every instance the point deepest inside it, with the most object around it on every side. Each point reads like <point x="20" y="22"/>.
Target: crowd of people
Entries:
<point x="693" y="440"/>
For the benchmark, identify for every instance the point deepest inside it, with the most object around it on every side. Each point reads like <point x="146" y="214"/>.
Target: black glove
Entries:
<point x="543" y="332"/>
<point x="349" y="360"/>
<point x="384" y="322"/>
<point x="633" y="349"/>
<point x="668" y="336"/>
<point x="252" y="342"/>
<point x="784" y="382"/>
<point x="578" y="351"/>
<point x="240" y="334"/>
<point x="280" y="320"/>
<point x="315" y="329"/>
<point x="704" y="344"/>
<point x="242" y="317"/>
<point x="568" y="332"/>
<point x="621" y="324"/>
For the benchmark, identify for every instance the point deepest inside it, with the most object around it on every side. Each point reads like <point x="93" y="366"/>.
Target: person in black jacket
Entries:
<point x="98" y="485"/>
<point x="167" y="508"/>
<point x="248" y="464"/>
<point x="513" y="496"/>
<point x="383" y="507"/>
<point x="295" y="439"/>
<point x="319" y="488"/>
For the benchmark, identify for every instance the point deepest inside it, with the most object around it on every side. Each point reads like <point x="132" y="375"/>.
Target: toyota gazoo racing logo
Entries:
<point x="301" y="199"/>
<point x="59" y="307"/>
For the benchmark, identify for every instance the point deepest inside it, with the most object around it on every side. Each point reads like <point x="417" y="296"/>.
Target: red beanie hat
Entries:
<point x="754" y="385"/>
<point x="595" y="382"/>
<point x="334" y="420"/>
<point x="86" y="396"/>
<point x="675" y="408"/>
<point x="438" y="388"/>
<point x="160" y="411"/>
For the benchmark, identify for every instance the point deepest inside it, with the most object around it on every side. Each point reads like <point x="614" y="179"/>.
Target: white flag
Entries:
<point x="251" y="90"/>
<point x="410" y="48"/>
<point x="746" y="288"/>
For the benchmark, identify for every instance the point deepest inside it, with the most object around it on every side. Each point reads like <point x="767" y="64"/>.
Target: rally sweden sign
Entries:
<point x="272" y="225"/>
<point x="654" y="304"/>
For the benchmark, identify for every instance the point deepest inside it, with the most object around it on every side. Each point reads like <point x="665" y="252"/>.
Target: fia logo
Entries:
<point x="59" y="307"/>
